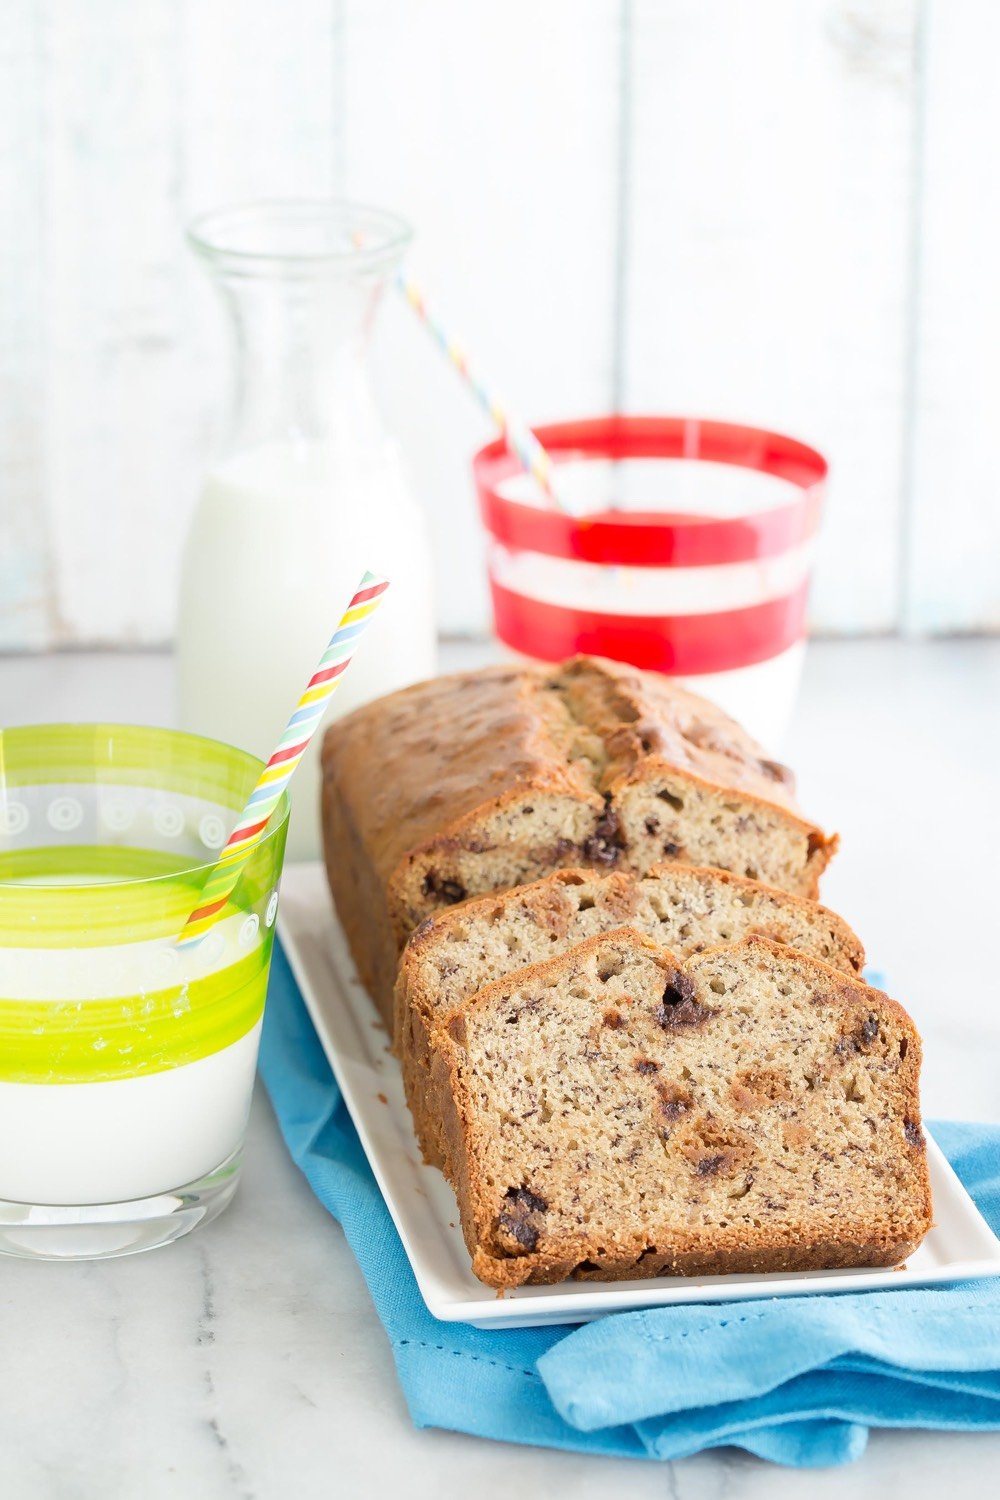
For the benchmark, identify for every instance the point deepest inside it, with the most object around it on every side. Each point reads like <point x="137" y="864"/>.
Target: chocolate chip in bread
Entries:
<point x="620" y="1112"/>
<point x="456" y="953"/>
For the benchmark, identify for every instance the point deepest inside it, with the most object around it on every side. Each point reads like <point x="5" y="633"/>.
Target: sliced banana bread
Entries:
<point x="485" y="780"/>
<point x="618" y="1112"/>
<point x="457" y="952"/>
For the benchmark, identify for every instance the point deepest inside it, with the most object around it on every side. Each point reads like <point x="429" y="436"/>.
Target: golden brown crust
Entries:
<point x="645" y="718"/>
<point x="651" y="726"/>
<point x="485" y="780"/>
<point x="876" y="1035"/>
<point x="421" y="763"/>
<point x="361" y="899"/>
<point x="737" y="1260"/>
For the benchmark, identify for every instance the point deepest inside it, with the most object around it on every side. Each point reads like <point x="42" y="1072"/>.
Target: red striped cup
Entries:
<point x="688" y="550"/>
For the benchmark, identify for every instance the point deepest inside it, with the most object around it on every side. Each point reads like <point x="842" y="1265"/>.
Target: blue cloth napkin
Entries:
<point x="797" y="1380"/>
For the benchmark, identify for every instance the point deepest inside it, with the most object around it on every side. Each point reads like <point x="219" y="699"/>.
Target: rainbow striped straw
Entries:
<point x="284" y="761"/>
<point x="516" y="433"/>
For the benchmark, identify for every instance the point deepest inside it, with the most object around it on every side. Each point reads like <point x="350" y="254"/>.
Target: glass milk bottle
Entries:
<point x="307" y="492"/>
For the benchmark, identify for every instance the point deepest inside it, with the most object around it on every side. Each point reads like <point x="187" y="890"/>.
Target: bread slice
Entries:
<point x="486" y="780"/>
<point x="618" y="1112"/>
<point x="457" y="952"/>
<point x="685" y="782"/>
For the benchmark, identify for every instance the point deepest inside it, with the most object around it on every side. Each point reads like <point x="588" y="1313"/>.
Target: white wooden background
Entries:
<point x="784" y="211"/>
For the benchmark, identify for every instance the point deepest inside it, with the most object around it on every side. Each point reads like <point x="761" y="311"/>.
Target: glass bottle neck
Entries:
<point x="300" y="366"/>
<point x="301" y="282"/>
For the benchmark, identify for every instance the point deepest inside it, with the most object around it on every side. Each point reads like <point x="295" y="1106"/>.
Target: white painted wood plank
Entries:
<point x="953" y="543"/>
<point x="152" y="112"/>
<point x="769" y="221"/>
<point x="25" y="604"/>
<point x="493" y="129"/>
<point x="256" y="114"/>
<point x="112" y="336"/>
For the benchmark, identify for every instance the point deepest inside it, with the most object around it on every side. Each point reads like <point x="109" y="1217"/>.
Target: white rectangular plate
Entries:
<point x="960" y="1245"/>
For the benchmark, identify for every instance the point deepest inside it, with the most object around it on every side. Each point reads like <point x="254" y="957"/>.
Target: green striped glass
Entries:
<point x="126" y="1064"/>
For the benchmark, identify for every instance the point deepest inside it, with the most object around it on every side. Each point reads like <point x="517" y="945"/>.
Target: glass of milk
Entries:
<point x="126" y="1064"/>
<point x="306" y="491"/>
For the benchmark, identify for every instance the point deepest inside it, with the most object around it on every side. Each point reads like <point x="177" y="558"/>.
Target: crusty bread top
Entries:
<point x="645" y="719"/>
<point x="413" y="767"/>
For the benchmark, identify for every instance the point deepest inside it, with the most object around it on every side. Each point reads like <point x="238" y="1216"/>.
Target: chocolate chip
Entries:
<point x="526" y="1200"/>
<point x="688" y="1013"/>
<point x="446" y="890"/>
<point x="709" y="1165"/>
<point x="521" y="1230"/>
<point x="679" y="1008"/>
<point x="671" y="850"/>
<point x="517" y="1219"/>
<point x="679" y="987"/>
<point x="646" y="1065"/>
<point x="861" y="1038"/>
<point x="606" y="842"/>
<point x="914" y="1135"/>
<point x="599" y="853"/>
<point x="652" y="825"/>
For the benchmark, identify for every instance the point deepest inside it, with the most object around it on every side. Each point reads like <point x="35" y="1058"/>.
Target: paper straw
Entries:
<point x="516" y="433"/>
<point x="284" y="761"/>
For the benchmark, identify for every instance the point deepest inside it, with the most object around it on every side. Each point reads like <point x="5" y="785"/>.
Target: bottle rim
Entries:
<point x="299" y="236"/>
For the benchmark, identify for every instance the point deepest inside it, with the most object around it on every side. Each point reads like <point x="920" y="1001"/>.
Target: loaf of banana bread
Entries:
<point x="618" y="1112"/>
<point x="485" y="780"/>
<point x="457" y="952"/>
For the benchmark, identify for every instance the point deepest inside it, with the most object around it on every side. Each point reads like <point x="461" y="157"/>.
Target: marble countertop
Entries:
<point x="247" y="1361"/>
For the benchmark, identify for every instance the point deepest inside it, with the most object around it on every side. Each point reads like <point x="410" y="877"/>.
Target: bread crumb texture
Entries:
<point x="622" y="1112"/>
<point x="686" y="910"/>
